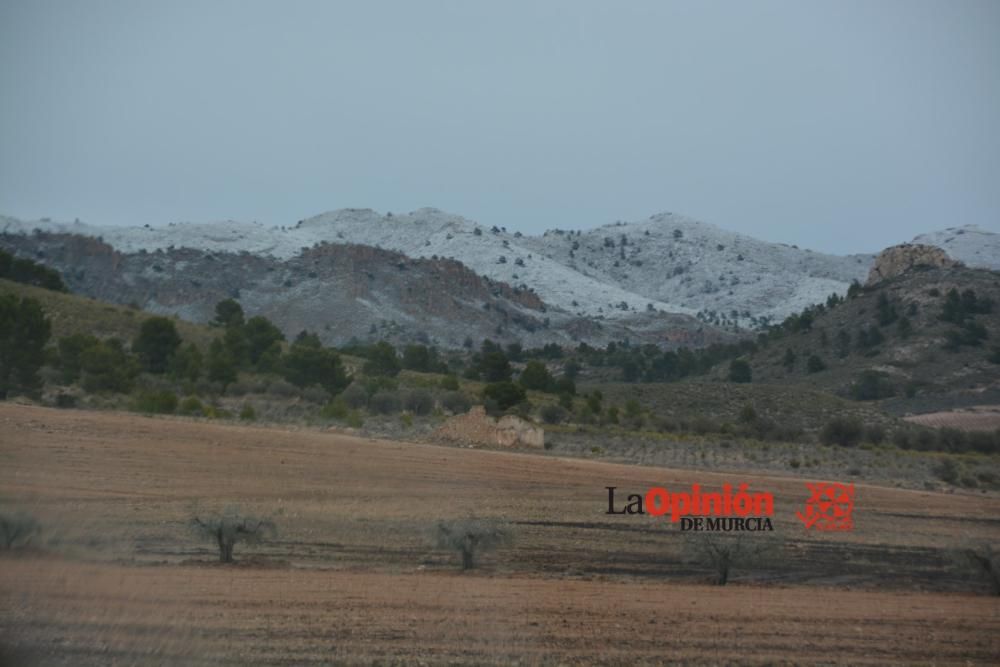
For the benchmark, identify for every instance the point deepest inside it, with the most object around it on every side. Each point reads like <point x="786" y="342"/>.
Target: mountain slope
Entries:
<point x="587" y="274"/>
<point x="74" y="314"/>
<point x="700" y="267"/>
<point x="341" y="291"/>
<point x="624" y="272"/>
<point x="895" y="331"/>
<point x="969" y="244"/>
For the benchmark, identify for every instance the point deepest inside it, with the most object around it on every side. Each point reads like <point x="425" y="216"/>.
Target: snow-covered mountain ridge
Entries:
<point x="664" y="263"/>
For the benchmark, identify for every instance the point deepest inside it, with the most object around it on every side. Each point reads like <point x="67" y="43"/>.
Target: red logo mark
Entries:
<point x="829" y="507"/>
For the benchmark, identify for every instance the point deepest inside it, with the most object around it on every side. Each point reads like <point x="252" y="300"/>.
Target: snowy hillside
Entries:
<point x="422" y="233"/>
<point x="665" y="263"/>
<point x="969" y="244"/>
<point x="702" y="267"/>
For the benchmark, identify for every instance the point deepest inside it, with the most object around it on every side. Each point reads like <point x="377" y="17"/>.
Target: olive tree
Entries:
<point x="17" y="529"/>
<point x="984" y="561"/>
<point x="230" y="528"/>
<point x="472" y="536"/>
<point x="724" y="552"/>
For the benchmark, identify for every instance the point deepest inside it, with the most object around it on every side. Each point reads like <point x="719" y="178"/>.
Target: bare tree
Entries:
<point x="472" y="536"/>
<point x="229" y="528"/>
<point x="17" y="529"/>
<point x="985" y="562"/>
<point x="724" y="552"/>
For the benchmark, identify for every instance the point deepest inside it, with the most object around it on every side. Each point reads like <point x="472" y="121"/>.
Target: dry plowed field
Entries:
<point x="118" y="577"/>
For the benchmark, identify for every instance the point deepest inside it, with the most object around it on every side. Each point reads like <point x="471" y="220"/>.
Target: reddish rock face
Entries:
<point x="899" y="259"/>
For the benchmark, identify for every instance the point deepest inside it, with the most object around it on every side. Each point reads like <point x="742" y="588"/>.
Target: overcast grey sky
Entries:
<point x="842" y="126"/>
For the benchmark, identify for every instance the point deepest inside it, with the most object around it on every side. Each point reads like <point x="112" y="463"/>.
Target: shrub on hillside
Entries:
<point x="24" y="332"/>
<point x="875" y="434"/>
<point x="156" y="343"/>
<point x="450" y="383"/>
<point x="872" y="386"/>
<point x="382" y="360"/>
<point x="384" y="402"/>
<point x="65" y="400"/>
<point x="949" y="471"/>
<point x="970" y="333"/>
<point x="553" y="414"/>
<point x="505" y="394"/>
<point x="335" y="409"/>
<point x="740" y="371"/>
<point x="106" y="366"/>
<point x="28" y="272"/>
<point x="282" y="389"/>
<point x="220" y="366"/>
<point x="186" y="363"/>
<point x="423" y="359"/>
<point x="240" y="388"/>
<point x="156" y="402"/>
<point x="456" y="402"/>
<point x="815" y="364"/>
<point x="228" y="313"/>
<point x="70" y="352"/>
<point x="191" y="406"/>
<point x="843" y="431"/>
<point x="491" y="364"/>
<point x="306" y="365"/>
<point x="355" y="396"/>
<point x="702" y="425"/>
<point x="536" y="376"/>
<point x="418" y="401"/>
<point x="316" y="395"/>
<point x="261" y="336"/>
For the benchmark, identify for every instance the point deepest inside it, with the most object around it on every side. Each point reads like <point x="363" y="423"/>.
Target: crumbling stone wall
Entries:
<point x="478" y="428"/>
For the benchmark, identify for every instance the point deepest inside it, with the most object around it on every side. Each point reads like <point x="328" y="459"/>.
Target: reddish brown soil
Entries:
<point x="117" y="577"/>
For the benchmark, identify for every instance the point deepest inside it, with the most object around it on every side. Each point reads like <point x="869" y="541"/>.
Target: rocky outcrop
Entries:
<point x="899" y="259"/>
<point x="477" y="428"/>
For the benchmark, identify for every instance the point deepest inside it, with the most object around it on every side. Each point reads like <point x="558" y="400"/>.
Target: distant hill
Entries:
<point x="634" y="280"/>
<point x="341" y="292"/>
<point x="969" y="244"/>
<point x="74" y="314"/>
<point x="893" y="331"/>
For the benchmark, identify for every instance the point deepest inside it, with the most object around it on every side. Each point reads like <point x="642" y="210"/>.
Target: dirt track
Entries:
<point x="352" y="578"/>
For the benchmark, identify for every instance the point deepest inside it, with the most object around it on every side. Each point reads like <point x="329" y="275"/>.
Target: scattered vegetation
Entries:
<point x="843" y="431"/>
<point x="24" y="333"/>
<point x="470" y="537"/>
<point x="726" y="552"/>
<point x="25" y="271"/>
<point x="231" y="528"/>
